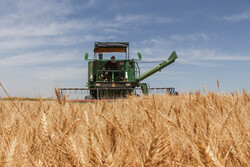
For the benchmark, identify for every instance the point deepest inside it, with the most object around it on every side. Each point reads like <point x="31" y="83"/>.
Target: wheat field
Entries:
<point x="191" y="129"/>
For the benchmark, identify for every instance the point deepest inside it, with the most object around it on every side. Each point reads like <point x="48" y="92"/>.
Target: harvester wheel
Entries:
<point x="88" y="97"/>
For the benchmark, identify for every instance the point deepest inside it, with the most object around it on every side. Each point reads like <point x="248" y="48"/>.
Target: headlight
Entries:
<point x="91" y="77"/>
<point x="97" y="84"/>
<point x="128" y="84"/>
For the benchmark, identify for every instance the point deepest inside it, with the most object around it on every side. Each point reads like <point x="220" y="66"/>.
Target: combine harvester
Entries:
<point x="113" y="78"/>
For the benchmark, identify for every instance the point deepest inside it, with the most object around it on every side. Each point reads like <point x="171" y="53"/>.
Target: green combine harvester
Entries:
<point x="116" y="77"/>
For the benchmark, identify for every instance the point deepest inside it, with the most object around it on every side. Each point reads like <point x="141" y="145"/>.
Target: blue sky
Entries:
<point x="42" y="43"/>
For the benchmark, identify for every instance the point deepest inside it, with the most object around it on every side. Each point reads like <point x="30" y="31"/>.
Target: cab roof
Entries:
<point x="104" y="47"/>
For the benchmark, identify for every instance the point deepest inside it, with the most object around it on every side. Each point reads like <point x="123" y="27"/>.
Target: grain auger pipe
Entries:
<point x="157" y="68"/>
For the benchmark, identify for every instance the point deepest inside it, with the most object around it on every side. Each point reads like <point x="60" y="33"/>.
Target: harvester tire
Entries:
<point x="88" y="97"/>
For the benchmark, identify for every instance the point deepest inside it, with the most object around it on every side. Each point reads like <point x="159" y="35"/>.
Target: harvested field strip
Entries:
<point x="186" y="130"/>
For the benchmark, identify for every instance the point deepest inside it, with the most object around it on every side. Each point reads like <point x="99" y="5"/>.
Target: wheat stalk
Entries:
<point x="58" y="97"/>
<point x="218" y="84"/>
<point x="10" y="157"/>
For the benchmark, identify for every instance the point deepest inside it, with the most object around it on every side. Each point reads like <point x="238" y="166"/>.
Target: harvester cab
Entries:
<point x="112" y="74"/>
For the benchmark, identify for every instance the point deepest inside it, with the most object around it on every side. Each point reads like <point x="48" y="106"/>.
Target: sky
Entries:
<point x="43" y="42"/>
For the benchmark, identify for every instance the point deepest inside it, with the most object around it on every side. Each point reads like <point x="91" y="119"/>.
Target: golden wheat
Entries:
<point x="192" y="129"/>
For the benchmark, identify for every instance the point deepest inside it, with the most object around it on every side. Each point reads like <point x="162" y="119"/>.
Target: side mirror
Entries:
<point x="86" y="56"/>
<point x="139" y="55"/>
